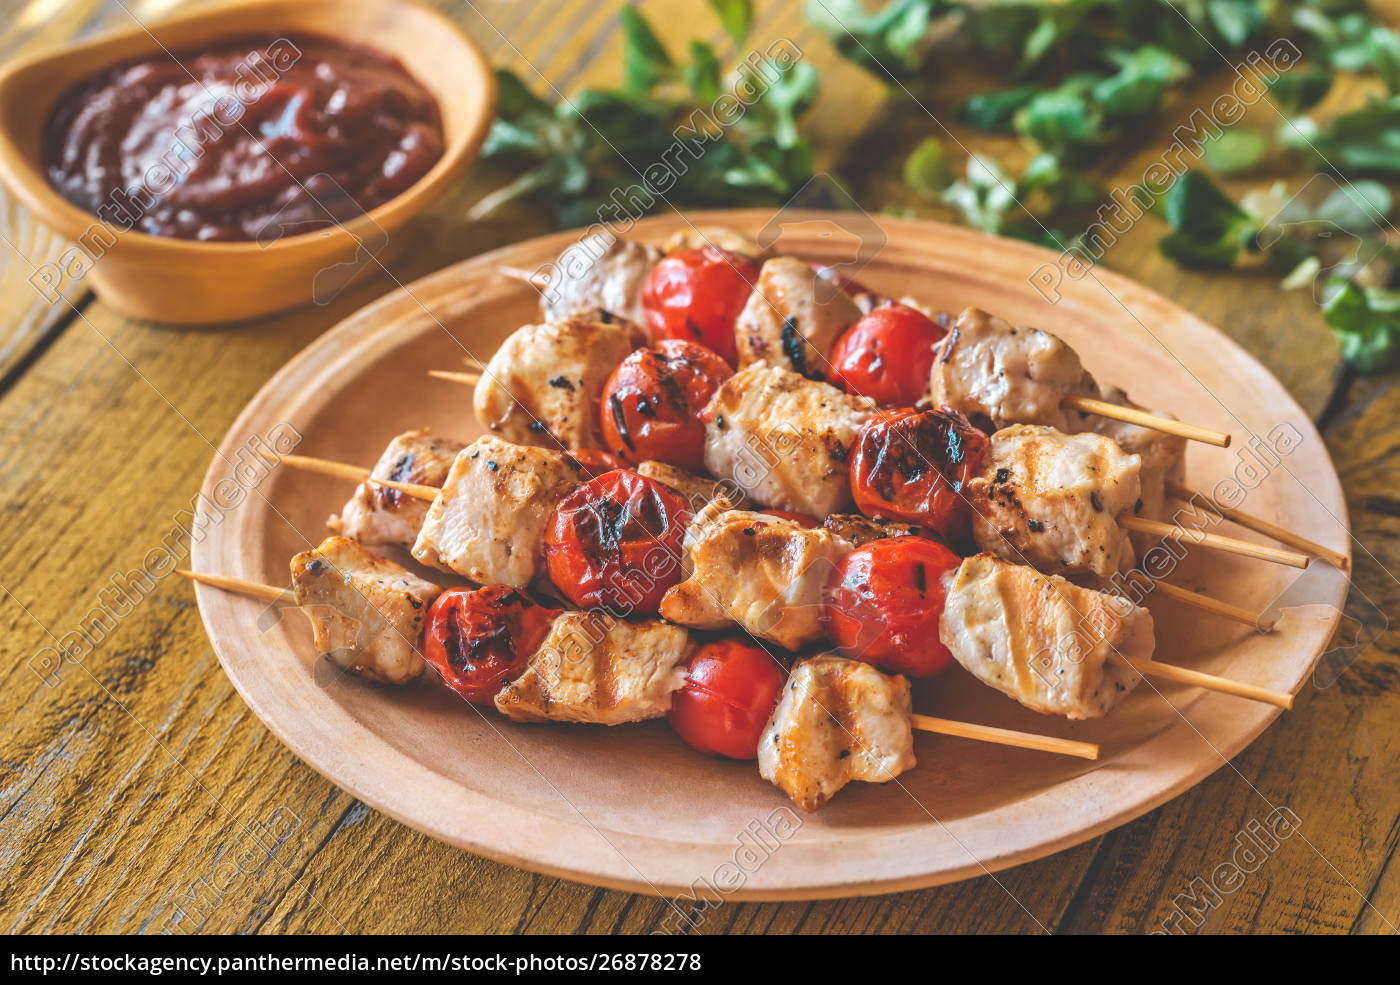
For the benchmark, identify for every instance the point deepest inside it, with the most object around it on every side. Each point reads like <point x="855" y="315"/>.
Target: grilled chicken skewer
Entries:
<point x="561" y="681"/>
<point x="463" y="538"/>
<point x="794" y="316"/>
<point x="368" y="616"/>
<point x="1065" y="502"/>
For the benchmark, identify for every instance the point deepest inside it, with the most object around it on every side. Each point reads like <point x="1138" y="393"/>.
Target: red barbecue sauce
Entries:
<point x="255" y="139"/>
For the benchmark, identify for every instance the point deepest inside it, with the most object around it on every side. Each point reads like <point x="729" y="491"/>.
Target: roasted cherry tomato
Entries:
<point x="728" y="695"/>
<point x="883" y="603"/>
<point x="593" y="463"/>
<point x="652" y="402"/>
<point x="912" y="466"/>
<point x="479" y="639"/>
<point x="615" y="542"/>
<point x="887" y="355"/>
<point x="696" y="295"/>
<point x="801" y="519"/>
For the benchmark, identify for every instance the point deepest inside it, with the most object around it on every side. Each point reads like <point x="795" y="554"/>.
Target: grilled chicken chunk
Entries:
<point x="596" y="669"/>
<point x="1163" y="459"/>
<point x="838" y="720"/>
<point x="861" y="530"/>
<point x="763" y="573"/>
<point x="784" y="439"/>
<point x="1000" y="373"/>
<point x="697" y="489"/>
<point x="793" y="318"/>
<point x="600" y="271"/>
<point x="721" y="237"/>
<point x="1040" y="639"/>
<point x="366" y="612"/>
<point x="543" y="385"/>
<point x="488" y="523"/>
<point x="1051" y="500"/>
<point x="379" y="515"/>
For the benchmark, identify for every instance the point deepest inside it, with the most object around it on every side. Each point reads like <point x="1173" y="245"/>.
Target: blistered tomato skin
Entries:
<point x="912" y="466"/>
<point x="652" y="403"/>
<point x="884" y="602"/>
<point x="696" y="295"/>
<point x="593" y="463"/>
<point x="480" y="639"/>
<point x="887" y="355"/>
<point x="729" y="693"/>
<point x="615" y="543"/>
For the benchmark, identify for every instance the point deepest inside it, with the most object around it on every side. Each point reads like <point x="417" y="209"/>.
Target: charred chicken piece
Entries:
<point x="1000" y="374"/>
<point x="793" y="318"/>
<point x="1040" y="639"/>
<point x="376" y="514"/>
<point x="860" y="530"/>
<point x="596" y="669"/>
<point x="760" y="572"/>
<point x="599" y="272"/>
<point x="838" y="720"/>
<point x="697" y="489"/>
<point x="784" y="439"/>
<point x="366" y="612"/>
<point x="543" y="385"/>
<point x="1163" y="460"/>
<point x="488" y="522"/>
<point x="1051" y="500"/>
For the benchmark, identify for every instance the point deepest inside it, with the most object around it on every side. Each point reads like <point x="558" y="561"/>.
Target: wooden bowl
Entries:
<point x="635" y="808"/>
<point x="187" y="282"/>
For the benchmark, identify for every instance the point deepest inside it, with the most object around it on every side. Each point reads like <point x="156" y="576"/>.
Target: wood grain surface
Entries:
<point x="139" y="794"/>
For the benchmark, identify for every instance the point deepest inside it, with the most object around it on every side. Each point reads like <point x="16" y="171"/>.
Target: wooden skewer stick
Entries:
<point x="1197" y="678"/>
<point x="253" y="589"/>
<point x="519" y="273"/>
<point x="474" y="363"/>
<point x="927" y="723"/>
<point x="1208" y="604"/>
<point x="1005" y="737"/>
<point x="471" y="379"/>
<point x="1336" y="558"/>
<point x="1214" y="541"/>
<point x="355" y="473"/>
<point x="1142" y="418"/>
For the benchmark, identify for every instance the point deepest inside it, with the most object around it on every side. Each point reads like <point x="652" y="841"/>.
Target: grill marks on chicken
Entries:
<point x="861" y="530"/>
<point x="366" y="613"/>
<point x="489" y="521"/>
<point x="543" y="385"/>
<point x="793" y="318"/>
<point x="1004" y="374"/>
<point x="593" y="668"/>
<point x="600" y="272"/>
<point x="784" y="439"/>
<point x="376" y="514"/>
<point x="1051" y="500"/>
<point x="838" y="720"/>
<point x="1040" y="639"/>
<point x="763" y="573"/>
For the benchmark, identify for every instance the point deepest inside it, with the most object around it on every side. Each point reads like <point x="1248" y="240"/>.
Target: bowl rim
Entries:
<point x="31" y="186"/>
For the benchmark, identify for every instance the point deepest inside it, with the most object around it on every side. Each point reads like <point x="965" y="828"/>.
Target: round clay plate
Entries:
<point x="633" y="807"/>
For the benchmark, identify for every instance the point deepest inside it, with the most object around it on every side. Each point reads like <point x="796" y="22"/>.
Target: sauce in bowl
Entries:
<point x="253" y="139"/>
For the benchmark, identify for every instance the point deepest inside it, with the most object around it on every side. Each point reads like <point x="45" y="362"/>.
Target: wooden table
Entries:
<point x="124" y="782"/>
